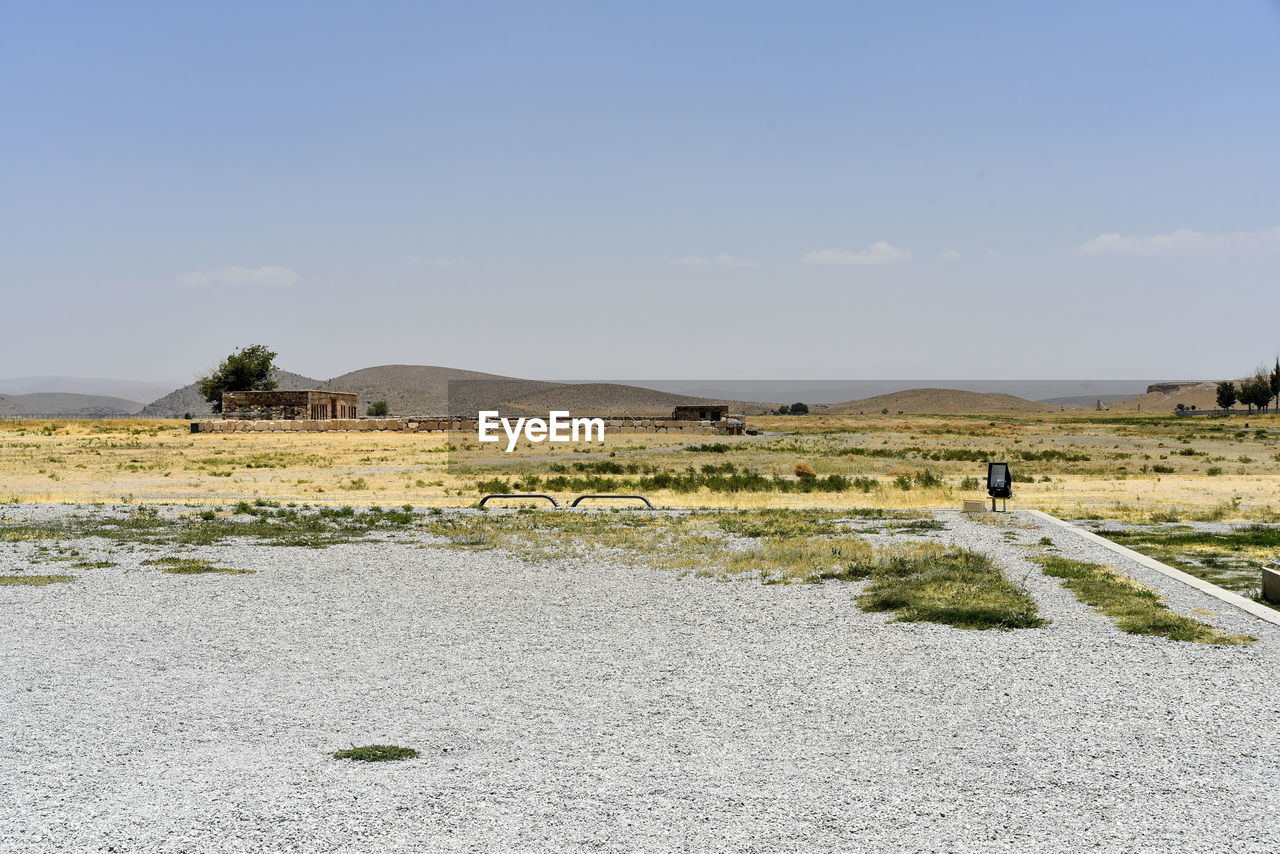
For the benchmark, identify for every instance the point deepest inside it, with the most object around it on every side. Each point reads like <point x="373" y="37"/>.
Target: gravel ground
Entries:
<point x="562" y="707"/>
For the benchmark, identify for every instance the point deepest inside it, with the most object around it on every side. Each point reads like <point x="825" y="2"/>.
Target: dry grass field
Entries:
<point x="1105" y="465"/>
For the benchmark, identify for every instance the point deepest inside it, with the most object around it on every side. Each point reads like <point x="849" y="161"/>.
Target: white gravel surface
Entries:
<point x="563" y="707"/>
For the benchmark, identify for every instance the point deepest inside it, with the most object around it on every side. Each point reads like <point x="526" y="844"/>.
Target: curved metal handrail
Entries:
<point x="554" y="503"/>
<point x="646" y="501"/>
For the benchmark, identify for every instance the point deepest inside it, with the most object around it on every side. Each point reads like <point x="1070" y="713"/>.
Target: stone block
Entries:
<point x="1271" y="585"/>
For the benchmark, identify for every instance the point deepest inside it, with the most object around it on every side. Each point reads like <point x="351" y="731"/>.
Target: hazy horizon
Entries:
<point x="805" y="390"/>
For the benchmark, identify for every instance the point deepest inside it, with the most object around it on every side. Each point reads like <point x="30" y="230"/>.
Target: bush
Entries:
<point x="805" y="471"/>
<point x="377" y="753"/>
<point x="377" y="409"/>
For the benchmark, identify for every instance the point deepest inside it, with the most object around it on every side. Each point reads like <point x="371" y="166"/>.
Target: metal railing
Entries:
<point x="580" y="498"/>
<point x="486" y="499"/>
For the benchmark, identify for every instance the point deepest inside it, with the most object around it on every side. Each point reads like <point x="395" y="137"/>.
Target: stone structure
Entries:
<point x="1271" y="585"/>
<point x="313" y="405"/>
<point x="701" y="412"/>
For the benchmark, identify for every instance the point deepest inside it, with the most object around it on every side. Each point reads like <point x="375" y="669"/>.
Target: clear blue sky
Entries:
<point x="827" y="190"/>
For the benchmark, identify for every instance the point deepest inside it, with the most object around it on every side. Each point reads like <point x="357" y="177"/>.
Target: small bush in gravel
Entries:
<point x="192" y="566"/>
<point x="811" y="560"/>
<point x="951" y="586"/>
<point x="34" y="580"/>
<point x="1132" y="607"/>
<point x="377" y="753"/>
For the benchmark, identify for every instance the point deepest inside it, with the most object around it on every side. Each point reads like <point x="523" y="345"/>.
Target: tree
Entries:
<point x="247" y="369"/>
<point x="1227" y="394"/>
<point x="377" y="409"/>
<point x="1256" y="391"/>
<point x="1274" y="382"/>
<point x="799" y="409"/>
<point x="784" y="409"/>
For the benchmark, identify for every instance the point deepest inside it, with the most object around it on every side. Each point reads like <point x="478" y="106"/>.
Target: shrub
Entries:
<point x="928" y="479"/>
<point x="805" y="471"/>
<point x="377" y="753"/>
<point x="377" y="409"/>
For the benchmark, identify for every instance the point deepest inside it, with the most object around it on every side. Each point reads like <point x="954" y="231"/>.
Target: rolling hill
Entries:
<point x="130" y="390"/>
<point x="66" y="404"/>
<point x="600" y="399"/>
<point x="1163" y="398"/>
<point x="186" y="401"/>
<point x="941" y="401"/>
<point x="436" y="390"/>
<point x="433" y="390"/>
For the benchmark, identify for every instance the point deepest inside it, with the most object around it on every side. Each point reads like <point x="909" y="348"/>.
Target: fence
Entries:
<point x="1190" y="412"/>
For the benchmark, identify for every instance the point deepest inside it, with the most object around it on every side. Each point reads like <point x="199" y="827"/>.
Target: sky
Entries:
<point x="737" y="190"/>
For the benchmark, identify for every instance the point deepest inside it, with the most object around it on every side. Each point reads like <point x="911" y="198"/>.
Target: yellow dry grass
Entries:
<point x="1136" y="466"/>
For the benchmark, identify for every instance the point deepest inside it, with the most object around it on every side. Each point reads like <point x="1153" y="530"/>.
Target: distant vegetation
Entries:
<point x="1134" y="608"/>
<point x="247" y="369"/>
<point x="1256" y="392"/>
<point x="377" y="409"/>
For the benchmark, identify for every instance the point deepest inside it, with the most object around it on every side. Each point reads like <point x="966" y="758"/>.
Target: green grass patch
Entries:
<point x="33" y="580"/>
<point x="1133" y="607"/>
<point x="1231" y="560"/>
<point x="809" y="560"/>
<point x="954" y="587"/>
<point x="377" y="753"/>
<point x="315" y="527"/>
<point x="192" y="566"/>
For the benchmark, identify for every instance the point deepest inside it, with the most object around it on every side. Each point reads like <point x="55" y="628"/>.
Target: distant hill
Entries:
<point x="185" y="401"/>
<point x="60" y="403"/>
<point x="941" y="401"/>
<point x="1165" y="397"/>
<point x="131" y="390"/>
<point x="434" y="390"/>
<point x="1084" y="401"/>
<point x="600" y="399"/>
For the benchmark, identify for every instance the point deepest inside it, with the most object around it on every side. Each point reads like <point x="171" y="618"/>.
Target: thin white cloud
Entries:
<point x="272" y="277"/>
<point x="877" y="253"/>
<point x="949" y="255"/>
<point x="1185" y="242"/>
<point x="720" y="259"/>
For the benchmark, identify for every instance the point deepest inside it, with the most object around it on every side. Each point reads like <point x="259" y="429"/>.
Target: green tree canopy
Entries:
<point x="1227" y="394"/>
<point x="246" y="369"/>
<point x="1256" y="391"/>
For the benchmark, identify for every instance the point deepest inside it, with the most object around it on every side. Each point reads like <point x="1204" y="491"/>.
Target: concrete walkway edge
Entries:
<point x="1257" y="609"/>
